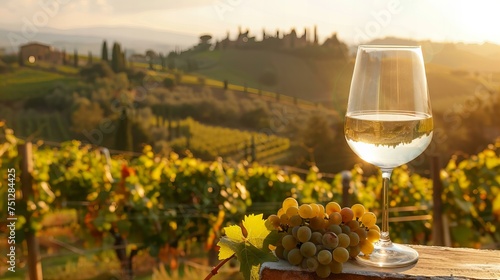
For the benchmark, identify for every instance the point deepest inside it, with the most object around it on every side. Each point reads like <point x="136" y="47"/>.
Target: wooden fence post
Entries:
<point x="437" y="216"/>
<point x="34" y="259"/>
<point x="253" y="153"/>
<point x="346" y="187"/>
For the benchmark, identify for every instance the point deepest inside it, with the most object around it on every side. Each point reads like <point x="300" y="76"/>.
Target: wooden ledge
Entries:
<point x="434" y="263"/>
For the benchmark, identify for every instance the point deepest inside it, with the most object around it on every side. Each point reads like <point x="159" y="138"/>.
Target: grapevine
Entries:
<point x="157" y="200"/>
<point x="210" y="142"/>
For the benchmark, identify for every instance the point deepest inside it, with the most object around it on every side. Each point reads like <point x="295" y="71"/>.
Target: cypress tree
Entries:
<point x="75" y="58"/>
<point x="170" y="130"/>
<point x="64" y="58"/>
<point x="253" y="154"/>
<point x="151" y="64"/>
<point x="188" y="138"/>
<point x="123" y="62"/>
<point x="20" y="59"/>
<point x="124" y="138"/>
<point x="163" y="62"/>
<point x="245" y="151"/>
<point x="117" y="57"/>
<point x="104" y="51"/>
<point x="89" y="60"/>
<point x="178" y="129"/>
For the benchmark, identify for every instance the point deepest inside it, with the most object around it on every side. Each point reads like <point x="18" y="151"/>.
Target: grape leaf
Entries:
<point x="251" y="250"/>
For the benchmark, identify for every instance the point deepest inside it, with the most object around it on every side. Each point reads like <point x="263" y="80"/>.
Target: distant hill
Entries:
<point x="314" y="80"/>
<point x="486" y="49"/>
<point x="469" y="57"/>
<point x="451" y="68"/>
<point x="90" y="39"/>
<point x="394" y="41"/>
<point x="328" y="81"/>
<point x="458" y="58"/>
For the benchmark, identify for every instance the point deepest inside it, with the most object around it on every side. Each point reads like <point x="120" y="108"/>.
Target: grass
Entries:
<point x="67" y="69"/>
<point x="27" y="82"/>
<point x="242" y="69"/>
<point x="295" y="75"/>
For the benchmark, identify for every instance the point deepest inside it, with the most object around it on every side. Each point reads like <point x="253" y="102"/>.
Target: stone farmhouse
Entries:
<point x="36" y="52"/>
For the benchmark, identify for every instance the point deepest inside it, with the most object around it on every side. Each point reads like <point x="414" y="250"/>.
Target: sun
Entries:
<point x="478" y="20"/>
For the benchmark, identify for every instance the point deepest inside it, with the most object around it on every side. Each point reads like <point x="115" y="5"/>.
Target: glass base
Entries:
<point x="389" y="255"/>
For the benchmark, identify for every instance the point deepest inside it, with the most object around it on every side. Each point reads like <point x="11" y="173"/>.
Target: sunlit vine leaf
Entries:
<point x="251" y="250"/>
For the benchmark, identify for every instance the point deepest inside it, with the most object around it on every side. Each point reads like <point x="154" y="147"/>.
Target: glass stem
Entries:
<point x="385" y="240"/>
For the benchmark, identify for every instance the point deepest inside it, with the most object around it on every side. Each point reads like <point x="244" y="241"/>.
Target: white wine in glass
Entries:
<point x="388" y="123"/>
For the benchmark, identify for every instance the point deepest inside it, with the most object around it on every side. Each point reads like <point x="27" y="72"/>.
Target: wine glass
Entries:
<point x="388" y="123"/>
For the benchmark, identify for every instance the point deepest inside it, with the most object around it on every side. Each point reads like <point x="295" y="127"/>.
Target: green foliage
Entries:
<point x="257" y="118"/>
<point x="58" y="100"/>
<point x="136" y="76"/>
<point x="84" y="267"/>
<point x="9" y="58"/>
<point x="251" y="249"/>
<point x="8" y="159"/>
<point x="155" y="200"/>
<point x="4" y="68"/>
<point x="316" y="139"/>
<point x="171" y="63"/>
<point x="169" y="83"/>
<point x="96" y="70"/>
<point x="106" y="88"/>
<point x="86" y="116"/>
<point x="472" y="191"/>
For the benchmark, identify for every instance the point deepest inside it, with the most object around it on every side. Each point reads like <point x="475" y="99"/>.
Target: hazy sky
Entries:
<point x="353" y="20"/>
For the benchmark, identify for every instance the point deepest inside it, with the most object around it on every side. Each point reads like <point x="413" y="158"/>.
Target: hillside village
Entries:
<point x="244" y="39"/>
<point x="279" y="40"/>
<point x="266" y="65"/>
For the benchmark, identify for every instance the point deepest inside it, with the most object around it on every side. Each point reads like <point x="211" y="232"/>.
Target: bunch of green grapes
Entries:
<point x="321" y="238"/>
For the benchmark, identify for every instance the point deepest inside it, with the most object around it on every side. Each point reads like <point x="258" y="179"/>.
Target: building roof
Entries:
<point x="35" y="44"/>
